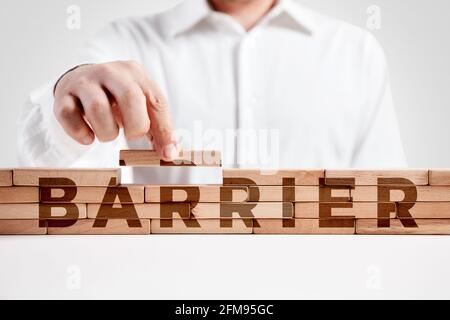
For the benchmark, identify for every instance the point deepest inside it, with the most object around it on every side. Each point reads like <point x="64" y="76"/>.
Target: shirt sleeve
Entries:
<point x="379" y="142"/>
<point x="41" y="139"/>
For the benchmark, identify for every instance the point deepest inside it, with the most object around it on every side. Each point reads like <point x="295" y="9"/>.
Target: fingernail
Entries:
<point x="170" y="152"/>
<point x="87" y="140"/>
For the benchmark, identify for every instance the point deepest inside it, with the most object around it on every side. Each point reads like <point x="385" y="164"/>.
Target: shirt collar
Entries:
<point x="189" y="13"/>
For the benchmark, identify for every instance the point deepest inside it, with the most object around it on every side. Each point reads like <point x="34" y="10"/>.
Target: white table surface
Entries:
<point x="224" y="267"/>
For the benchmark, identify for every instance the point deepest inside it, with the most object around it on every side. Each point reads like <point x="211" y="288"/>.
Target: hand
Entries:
<point x="96" y="100"/>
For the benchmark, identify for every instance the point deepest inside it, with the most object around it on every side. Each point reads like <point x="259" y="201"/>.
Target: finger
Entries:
<point x="161" y="128"/>
<point x="69" y="114"/>
<point x="115" y="109"/>
<point x="132" y="105"/>
<point x="98" y="112"/>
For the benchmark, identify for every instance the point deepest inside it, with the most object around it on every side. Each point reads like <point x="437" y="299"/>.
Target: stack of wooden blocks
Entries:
<point x="92" y="201"/>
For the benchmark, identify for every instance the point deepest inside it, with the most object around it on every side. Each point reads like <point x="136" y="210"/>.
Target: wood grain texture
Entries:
<point x="96" y="194"/>
<point x="263" y="210"/>
<point x="206" y="193"/>
<point x="271" y="178"/>
<point x="207" y="226"/>
<point x="30" y="211"/>
<point x="301" y="226"/>
<point x="190" y="158"/>
<point x="21" y="227"/>
<point x="424" y="194"/>
<point x="359" y="210"/>
<point x="19" y="195"/>
<point x="428" y="210"/>
<point x="302" y="193"/>
<point x="143" y="211"/>
<point x="370" y="177"/>
<point x="81" y="177"/>
<point x="6" y="178"/>
<point x="370" y="194"/>
<point x="113" y="227"/>
<point x="440" y="177"/>
<point x="425" y="227"/>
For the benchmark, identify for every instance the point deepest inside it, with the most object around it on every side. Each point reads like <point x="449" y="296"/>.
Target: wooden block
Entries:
<point x="143" y="211"/>
<point x="271" y="178"/>
<point x="21" y="227"/>
<point x="424" y="227"/>
<point x="440" y="177"/>
<point x="306" y="210"/>
<point x="97" y="194"/>
<point x="301" y="226"/>
<point x="207" y="226"/>
<point x="275" y="193"/>
<point x="433" y="193"/>
<point x="424" y="194"/>
<point x="428" y="210"/>
<point x="370" y="177"/>
<point x="113" y="227"/>
<point x="149" y="158"/>
<point x="31" y="211"/>
<point x="81" y="177"/>
<point x="302" y="193"/>
<point x="359" y="210"/>
<point x="370" y="194"/>
<point x="6" y="179"/>
<point x="265" y="210"/>
<point x="19" y="195"/>
<point x="185" y="193"/>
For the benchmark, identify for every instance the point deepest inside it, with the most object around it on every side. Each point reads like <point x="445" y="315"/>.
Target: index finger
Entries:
<point x="161" y="125"/>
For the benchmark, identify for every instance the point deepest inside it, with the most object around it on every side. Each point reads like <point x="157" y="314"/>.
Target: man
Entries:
<point x="312" y="89"/>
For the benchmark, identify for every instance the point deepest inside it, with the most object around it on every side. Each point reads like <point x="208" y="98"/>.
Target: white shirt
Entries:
<point x="317" y="88"/>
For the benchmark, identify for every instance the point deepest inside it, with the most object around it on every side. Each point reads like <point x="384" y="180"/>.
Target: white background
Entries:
<point x="36" y="46"/>
<point x="225" y="267"/>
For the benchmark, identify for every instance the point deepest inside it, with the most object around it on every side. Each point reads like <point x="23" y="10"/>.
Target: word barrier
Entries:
<point x="93" y="201"/>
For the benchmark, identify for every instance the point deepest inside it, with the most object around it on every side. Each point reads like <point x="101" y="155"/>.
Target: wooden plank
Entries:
<point x="302" y="193"/>
<point x="206" y="226"/>
<point x="143" y="211"/>
<point x="370" y="194"/>
<point x="424" y="227"/>
<point x="81" y="177"/>
<point x="113" y="227"/>
<point x="424" y="194"/>
<point x="185" y="193"/>
<point x="301" y="226"/>
<point x="433" y="193"/>
<point x="271" y="178"/>
<point x="440" y="177"/>
<point x="21" y="227"/>
<point x="30" y="211"/>
<point x="428" y="210"/>
<point x="6" y="179"/>
<point x="263" y="210"/>
<point x="149" y="158"/>
<point x="275" y="193"/>
<point x="19" y="195"/>
<point x="97" y="194"/>
<point x="370" y="177"/>
<point x="359" y="210"/>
